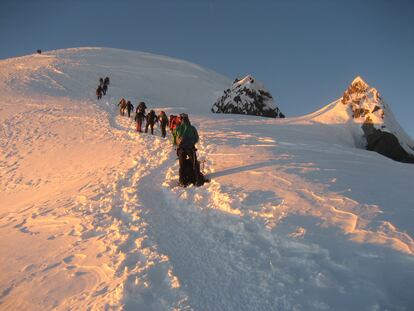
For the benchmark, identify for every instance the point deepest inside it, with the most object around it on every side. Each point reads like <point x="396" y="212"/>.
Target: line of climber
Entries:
<point x="184" y="137"/>
<point x="102" y="87"/>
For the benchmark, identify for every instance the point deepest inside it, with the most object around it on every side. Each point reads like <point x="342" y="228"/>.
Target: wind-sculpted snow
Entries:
<point x="294" y="218"/>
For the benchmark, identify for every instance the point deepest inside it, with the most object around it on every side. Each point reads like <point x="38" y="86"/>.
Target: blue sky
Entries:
<point x="306" y="52"/>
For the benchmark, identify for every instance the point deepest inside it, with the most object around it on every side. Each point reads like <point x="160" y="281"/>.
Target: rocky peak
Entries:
<point x="365" y="101"/>
<point x="359" y="84"/>
<point x="247" y="96"/>
<point x="382" y="132"/>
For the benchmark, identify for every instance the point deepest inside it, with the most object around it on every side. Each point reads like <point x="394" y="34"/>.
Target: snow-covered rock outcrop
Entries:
<point x="370" y="120"/>
<point x="381" y="130"/>
<point x="247" y="96"/>
<point x="364" y="101"/>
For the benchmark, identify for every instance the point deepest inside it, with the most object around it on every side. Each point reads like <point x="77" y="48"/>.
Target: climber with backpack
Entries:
<point x="129" y="107"/>
<point x="185" y="136"/>
<point x="162" y="117"/>
<point x="151" y="120"/>
<point x="99" y="92"/>
<point x="139" y="117"/>
<point x="122" y="106"/>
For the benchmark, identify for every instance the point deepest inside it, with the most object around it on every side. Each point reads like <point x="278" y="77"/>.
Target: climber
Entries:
<point x="162" y="117"/>
<point x="185" y="136"/>
<point x="151" y="120"/>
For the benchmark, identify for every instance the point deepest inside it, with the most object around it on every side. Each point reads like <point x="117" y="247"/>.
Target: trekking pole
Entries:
<point x="194" y="162"/>
<point x="195" y="166"/>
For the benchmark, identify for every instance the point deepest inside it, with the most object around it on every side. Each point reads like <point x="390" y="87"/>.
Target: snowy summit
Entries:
<point x="297" y="215"/>
<point x="247" y="96"/>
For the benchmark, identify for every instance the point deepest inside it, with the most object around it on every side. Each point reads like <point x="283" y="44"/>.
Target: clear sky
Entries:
<point x="306" y="52"/>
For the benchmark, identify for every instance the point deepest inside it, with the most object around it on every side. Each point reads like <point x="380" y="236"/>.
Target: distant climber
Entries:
<point x="99" y="92"/>
<point x="162" y="117"/>
<point x="151" y="120"/>
<point x="122" y="106"/>
<point x="104" y="84"/>
<point x="129" y="108"/>
<point x="185" y="136"/>
<point x="139" y="117"/>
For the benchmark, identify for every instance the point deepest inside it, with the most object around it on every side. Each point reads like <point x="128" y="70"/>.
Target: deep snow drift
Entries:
<point x="295" y="217"/>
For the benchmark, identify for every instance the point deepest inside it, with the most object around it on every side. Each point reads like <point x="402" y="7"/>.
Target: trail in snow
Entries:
<point x="149" y="280"/>
<point x="230" y="253"/>
<point x="295" y="217"/>
<point x="98" y="251"/>
<point x="254" y="242"/>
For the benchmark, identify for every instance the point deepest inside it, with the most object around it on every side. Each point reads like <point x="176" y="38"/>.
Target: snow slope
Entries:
<point x="159" y="80"/>
<point x="295" y="217"/>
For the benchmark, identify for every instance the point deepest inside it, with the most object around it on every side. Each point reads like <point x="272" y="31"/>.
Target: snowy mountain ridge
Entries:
<point x="294" y="218"/>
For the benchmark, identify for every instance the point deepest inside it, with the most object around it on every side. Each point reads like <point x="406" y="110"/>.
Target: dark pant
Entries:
<point x="149" y="125"/>
<point x="182" y="157"/>
<point x="163" y="130"/>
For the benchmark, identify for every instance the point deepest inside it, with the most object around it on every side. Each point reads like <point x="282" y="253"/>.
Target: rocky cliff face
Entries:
<point x="385" y="143"/>
<point x="247" y="96"/>
<point x="382" y="132"/>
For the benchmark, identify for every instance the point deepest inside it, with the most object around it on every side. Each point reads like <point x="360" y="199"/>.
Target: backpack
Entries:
<point x="186" y="136"/>
<point x="163" y="118"/>
<point x="151" y="117"/>
<point x="141" y="106"/>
